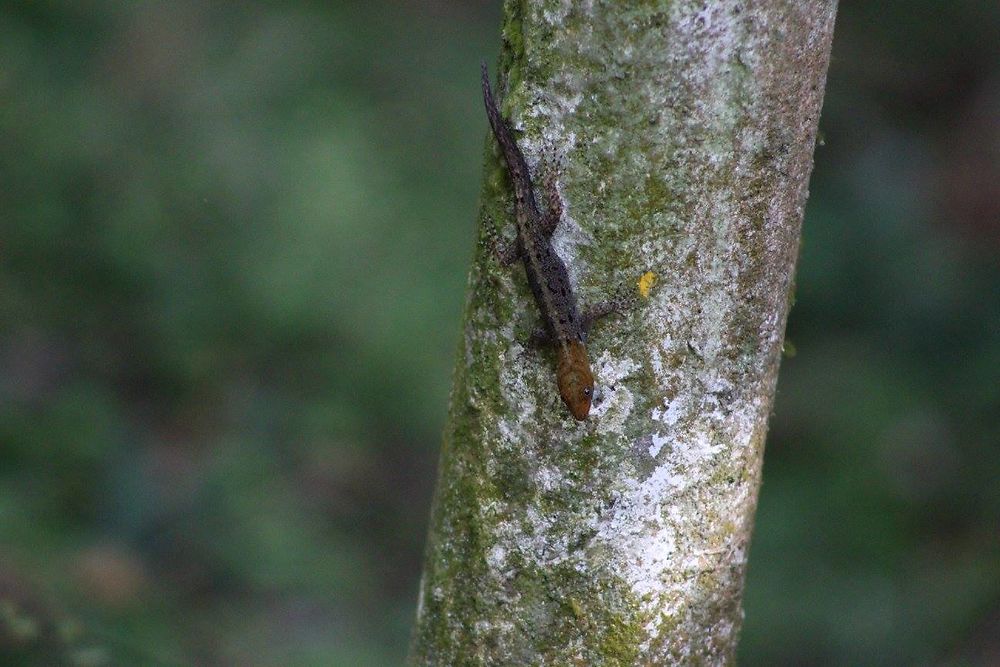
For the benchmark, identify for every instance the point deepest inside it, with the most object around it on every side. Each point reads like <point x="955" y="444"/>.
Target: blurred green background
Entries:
<point x="234" y="248"/>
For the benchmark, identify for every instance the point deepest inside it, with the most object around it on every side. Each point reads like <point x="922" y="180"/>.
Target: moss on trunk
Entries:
<point x="687" y="130"/>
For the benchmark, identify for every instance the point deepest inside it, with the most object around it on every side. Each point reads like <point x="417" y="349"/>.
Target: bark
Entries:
<point x="687" y="131"/>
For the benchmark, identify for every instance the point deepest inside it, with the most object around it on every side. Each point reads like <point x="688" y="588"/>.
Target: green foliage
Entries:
<point x="234" y="246"/>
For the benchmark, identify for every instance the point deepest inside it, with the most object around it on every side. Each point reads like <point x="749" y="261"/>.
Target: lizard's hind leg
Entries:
<point x="506" y="252"/>
<point x="623" y="300"/>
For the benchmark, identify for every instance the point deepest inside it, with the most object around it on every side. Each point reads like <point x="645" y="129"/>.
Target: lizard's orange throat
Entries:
<point x="576" y="382"/>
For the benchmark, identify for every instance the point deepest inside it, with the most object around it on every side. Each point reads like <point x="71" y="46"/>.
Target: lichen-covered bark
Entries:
<point x="687" y="130"/>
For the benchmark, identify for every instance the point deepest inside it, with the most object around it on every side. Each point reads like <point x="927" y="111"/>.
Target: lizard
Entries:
<point x="546" y="271"/>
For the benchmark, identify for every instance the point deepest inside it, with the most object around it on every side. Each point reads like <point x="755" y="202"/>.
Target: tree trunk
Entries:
<point x="687" y="132"/>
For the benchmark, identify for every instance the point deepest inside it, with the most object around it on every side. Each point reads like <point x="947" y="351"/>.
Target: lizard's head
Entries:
<point x="576" y="382"/>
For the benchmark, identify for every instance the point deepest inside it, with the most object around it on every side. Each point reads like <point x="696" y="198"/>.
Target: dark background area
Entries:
<point x="233" y="247"/>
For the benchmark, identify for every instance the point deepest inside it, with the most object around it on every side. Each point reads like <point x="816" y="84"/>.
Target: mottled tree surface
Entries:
<point x="687" y="130"/>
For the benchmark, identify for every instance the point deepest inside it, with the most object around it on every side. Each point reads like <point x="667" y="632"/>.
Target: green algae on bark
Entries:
<point x="687" y="131"/>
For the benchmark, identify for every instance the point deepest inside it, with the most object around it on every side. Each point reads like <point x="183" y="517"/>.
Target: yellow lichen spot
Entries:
<point x="646" y="282"/>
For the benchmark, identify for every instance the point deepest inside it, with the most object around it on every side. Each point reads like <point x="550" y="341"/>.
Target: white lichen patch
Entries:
<point x="664" y="530"/>
<point x="549" y="478"/>
<point x="672" y="413"/>
<point x="496" y="557"/>
<point x="521" y="370"/>
<point x="616" y="400"/>
<point x="658" y="441"/>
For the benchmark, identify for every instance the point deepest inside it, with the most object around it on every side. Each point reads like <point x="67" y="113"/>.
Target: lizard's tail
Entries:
<point x="491" y="106"/>
<point x="520" y="176"/>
